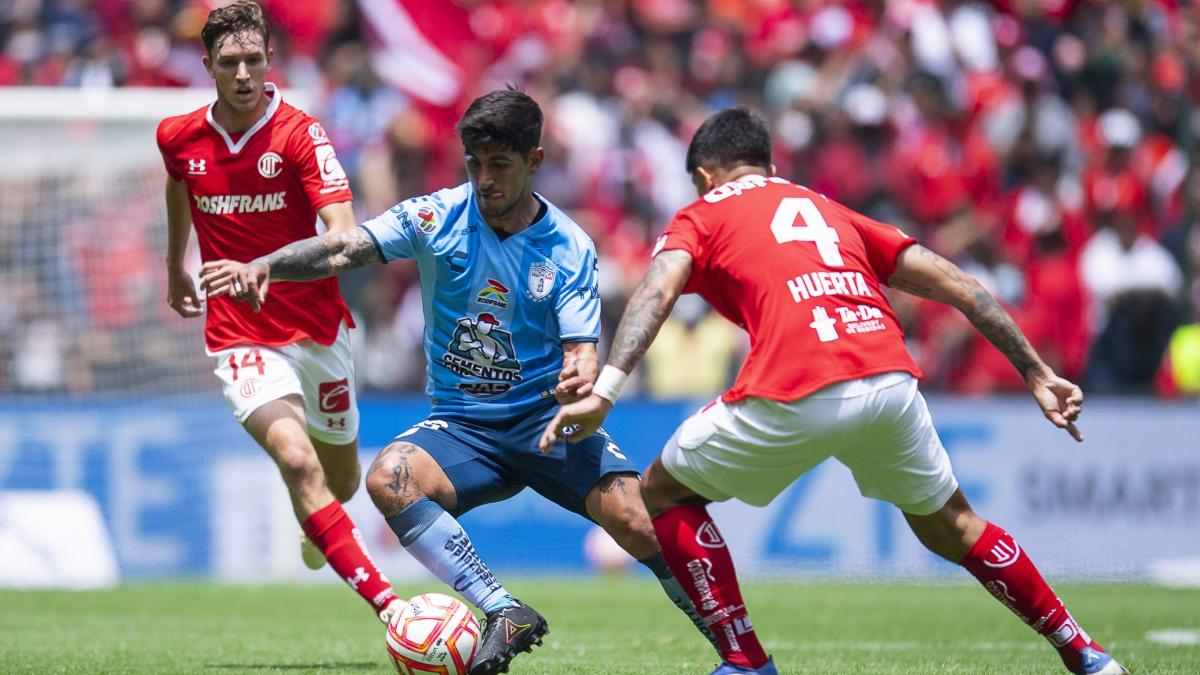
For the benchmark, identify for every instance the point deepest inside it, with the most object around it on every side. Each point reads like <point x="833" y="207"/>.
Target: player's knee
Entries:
<point x="391" y="481"/>
<point x="299" y="467"/>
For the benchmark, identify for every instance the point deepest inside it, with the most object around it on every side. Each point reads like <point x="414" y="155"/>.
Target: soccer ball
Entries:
<point x="434" y="633"/>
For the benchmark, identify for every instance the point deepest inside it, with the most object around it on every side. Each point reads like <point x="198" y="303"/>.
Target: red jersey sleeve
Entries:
<point x="164" y="135"/>
<point x="685" y="233"/>
<point x="884" y="243"/>
<point x="321" y="174"/>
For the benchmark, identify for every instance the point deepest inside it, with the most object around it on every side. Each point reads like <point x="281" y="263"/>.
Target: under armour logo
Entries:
<point x="196" y="167"/>
<point x="339" y="423"/>
<point x="360" y="575"/>
<point x="1004" y="553"/>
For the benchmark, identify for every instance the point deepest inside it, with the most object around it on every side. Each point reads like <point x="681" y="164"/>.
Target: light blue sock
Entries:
<point x="435" y="538"/>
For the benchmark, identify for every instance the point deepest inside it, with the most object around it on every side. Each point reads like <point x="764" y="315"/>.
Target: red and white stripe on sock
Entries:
<point x="1007" y="572"/>
<point x="331" y="529"/>
<point x="698" y="558"/>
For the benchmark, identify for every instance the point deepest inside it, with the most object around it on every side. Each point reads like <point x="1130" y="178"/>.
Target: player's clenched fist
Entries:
<point x="242" y="282"/>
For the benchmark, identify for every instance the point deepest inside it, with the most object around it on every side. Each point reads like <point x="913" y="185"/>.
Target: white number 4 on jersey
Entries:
<point x="814" y="229"/>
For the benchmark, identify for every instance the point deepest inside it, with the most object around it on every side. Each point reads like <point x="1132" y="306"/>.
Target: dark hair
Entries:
<point x="729" y="138"/>
<point x="239" y="17"/>
<point x="507" y="118"/>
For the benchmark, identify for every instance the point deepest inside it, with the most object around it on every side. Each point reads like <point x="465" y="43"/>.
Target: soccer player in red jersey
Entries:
<point x="827" y="375"/>
<point x="253" y="173"/>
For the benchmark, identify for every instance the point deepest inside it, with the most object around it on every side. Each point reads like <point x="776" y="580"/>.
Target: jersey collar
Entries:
<point x="235" y="148"/>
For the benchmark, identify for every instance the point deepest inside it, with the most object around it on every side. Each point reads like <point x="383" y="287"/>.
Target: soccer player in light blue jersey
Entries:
<point x="512" y="317"/>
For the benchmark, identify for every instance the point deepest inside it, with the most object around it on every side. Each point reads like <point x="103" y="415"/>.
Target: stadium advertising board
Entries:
<point x="184" y="492"/>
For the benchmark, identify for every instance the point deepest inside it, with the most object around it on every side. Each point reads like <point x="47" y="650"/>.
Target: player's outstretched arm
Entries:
<point x="926" y="274"/>
<point x="305" y="260"/>
<point x="645" y="314"/>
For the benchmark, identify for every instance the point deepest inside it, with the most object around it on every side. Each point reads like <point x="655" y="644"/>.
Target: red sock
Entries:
<point x="335" y="534"/>
<point x="697" y="556"/>
<point x="1006" y="571"/>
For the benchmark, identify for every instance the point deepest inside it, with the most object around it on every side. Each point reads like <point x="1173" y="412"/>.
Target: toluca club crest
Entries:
<point x="541" y="280"/>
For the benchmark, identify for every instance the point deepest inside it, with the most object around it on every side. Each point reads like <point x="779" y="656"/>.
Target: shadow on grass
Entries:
<point x="335" y="665"/>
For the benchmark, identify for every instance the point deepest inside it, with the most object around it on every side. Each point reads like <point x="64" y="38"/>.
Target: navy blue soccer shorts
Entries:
<point x="489" y="461"/>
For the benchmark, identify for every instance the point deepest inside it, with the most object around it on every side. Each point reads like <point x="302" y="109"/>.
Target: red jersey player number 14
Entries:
<point x="250" y="196"/>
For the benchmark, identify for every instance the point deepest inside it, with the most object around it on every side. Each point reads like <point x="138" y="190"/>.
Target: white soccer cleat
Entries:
<point x="313" y="558"/>
<point x="393" y="608"/>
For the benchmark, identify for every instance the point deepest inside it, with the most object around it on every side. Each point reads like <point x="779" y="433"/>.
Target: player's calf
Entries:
<point x="340" y="464"/>
<point x="303" y="476"/>
<point x="615" y="504"/>
<point x="993" y="557"/>
<point x="413" y="493"/>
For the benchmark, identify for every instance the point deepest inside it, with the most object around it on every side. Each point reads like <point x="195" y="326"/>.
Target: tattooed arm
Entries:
<point x="649" y="307"/>
<point x="926" y="274"/>
<point x="644" y="315"/>
<point x="305" y="260"/>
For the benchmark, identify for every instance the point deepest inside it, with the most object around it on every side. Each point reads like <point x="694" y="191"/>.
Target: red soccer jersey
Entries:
<point x="250" y="196"/>
<point x="802" y="275"/>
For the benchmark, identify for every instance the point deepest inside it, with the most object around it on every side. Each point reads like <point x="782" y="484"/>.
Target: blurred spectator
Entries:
<point x="695" y="354"/>
<point x="1132" y="283"/>
<point x="1045" y="145"/>
<point x="1180" y="370"/>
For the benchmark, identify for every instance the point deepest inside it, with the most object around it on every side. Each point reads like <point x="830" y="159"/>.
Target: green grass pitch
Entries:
<point x="598" y="626"/>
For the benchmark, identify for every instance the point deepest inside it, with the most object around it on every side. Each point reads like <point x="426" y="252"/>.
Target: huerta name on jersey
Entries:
<point x="496" y="310"/>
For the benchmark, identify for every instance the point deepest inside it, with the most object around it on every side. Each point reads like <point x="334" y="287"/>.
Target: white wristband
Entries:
<point x="610" y="383"/>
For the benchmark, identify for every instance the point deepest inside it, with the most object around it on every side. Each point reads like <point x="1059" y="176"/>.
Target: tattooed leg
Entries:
<point x="413" y="492"/>
<point x="615" y="503"/>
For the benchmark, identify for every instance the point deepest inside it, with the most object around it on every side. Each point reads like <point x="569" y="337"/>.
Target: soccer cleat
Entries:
<point x="393" y="608"/>
<point x="313" y="558"/>
<point x="1096" y="662"/>
<point x="767" y="668"/>
<point x="507" y="632"/>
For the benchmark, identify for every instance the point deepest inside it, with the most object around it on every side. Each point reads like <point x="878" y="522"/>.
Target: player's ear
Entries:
<point x="535" y="159"/>
<point x="208" y="66"/>
<point x="703" y="180"/>
<point x="270" y="56"/>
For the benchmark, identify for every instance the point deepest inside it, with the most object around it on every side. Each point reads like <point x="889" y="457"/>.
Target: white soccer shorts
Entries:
<point x="253" y="376"/>
<point x="879" y="427"/>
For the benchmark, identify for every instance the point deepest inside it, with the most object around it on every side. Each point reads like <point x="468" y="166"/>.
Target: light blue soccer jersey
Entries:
<point x="496" y="311"/>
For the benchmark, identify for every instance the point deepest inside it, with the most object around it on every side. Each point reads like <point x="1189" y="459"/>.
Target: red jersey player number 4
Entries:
<point x="250" y="195"/>
<point x="817" y="311"/>
<point x="827" y="377"/>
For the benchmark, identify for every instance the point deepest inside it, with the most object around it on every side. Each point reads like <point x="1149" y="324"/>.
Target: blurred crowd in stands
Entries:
<point x="1047" y="146"/>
